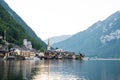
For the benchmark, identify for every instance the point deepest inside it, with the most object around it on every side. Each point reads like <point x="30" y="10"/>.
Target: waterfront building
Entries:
<point x="41" y="54"/>
<point x="1" y="37"/>
<point x="27" y="44"/>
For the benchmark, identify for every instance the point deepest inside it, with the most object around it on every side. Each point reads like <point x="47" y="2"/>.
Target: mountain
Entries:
<point x="16" y="28"/>
<point x="19" y="20"/>
<point x="57" y="39"/>
<point x="101" y="39"/>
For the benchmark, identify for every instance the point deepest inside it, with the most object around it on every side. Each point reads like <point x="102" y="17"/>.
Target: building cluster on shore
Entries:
<point x="16" y="52"/>
<point x="58" y="53"/>
<point x="27" y="52"/>
<point x="54" y="54"/>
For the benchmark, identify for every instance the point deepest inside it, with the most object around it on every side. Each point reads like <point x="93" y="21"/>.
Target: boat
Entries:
<point x="59" y="57"/>
<point x="10" y="58"/>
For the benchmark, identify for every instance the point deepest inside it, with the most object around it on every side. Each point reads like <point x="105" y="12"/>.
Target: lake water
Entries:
<point x="60" y="70"/>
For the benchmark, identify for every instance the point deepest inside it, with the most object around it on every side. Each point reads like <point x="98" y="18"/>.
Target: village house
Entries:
<point x="26" y="51"/>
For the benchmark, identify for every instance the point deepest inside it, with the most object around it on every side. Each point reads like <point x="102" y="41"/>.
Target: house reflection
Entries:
<point x="16" y="70"/>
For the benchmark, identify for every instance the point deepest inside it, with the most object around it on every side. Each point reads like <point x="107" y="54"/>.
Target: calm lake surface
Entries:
<point x="60" y="70"/>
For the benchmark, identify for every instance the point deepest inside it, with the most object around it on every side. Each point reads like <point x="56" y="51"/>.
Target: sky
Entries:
<point x="49" y="18"/>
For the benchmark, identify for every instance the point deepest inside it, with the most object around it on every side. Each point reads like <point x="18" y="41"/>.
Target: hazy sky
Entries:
<point x="57" y="17"/>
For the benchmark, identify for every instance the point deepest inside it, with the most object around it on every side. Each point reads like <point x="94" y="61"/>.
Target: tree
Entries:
<point x="42" y="49"/>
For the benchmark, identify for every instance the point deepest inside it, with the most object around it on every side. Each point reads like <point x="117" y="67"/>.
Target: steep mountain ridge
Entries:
<point x="100" y="39"/>
<point x="16" y="31"/>
<point x="19" y="20"/>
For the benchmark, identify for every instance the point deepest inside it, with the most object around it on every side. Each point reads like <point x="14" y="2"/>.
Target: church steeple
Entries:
<point x="48" y="48"/>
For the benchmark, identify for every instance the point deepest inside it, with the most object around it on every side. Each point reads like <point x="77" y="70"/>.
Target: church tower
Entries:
<point x="48" y="48"/>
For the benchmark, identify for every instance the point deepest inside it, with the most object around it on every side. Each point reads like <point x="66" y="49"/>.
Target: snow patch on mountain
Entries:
<point x="115" y="19"/>
<point x="110" y="24"/>
<point x="111" y="36"/>
<point x="104" y="29"/>
<point x="97" y="26"/>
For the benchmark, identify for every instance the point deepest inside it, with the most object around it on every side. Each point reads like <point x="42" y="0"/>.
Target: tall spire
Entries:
<point x="48" y="48"/>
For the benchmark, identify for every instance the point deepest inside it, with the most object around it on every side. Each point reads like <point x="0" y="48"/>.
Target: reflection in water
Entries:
<point x="60" y="70"/>
<point x="57" y="70"/>
<point x="16" y="70"/>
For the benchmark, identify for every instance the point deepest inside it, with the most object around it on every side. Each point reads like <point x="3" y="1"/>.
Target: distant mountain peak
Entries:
<point x="100" y="39"/>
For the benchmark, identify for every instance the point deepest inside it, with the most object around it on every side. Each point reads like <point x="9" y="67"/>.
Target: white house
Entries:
<point x="27" y="44"/>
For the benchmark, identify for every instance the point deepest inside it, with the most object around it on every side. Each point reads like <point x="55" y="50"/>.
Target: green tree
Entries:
<point x="42" y="49"/>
